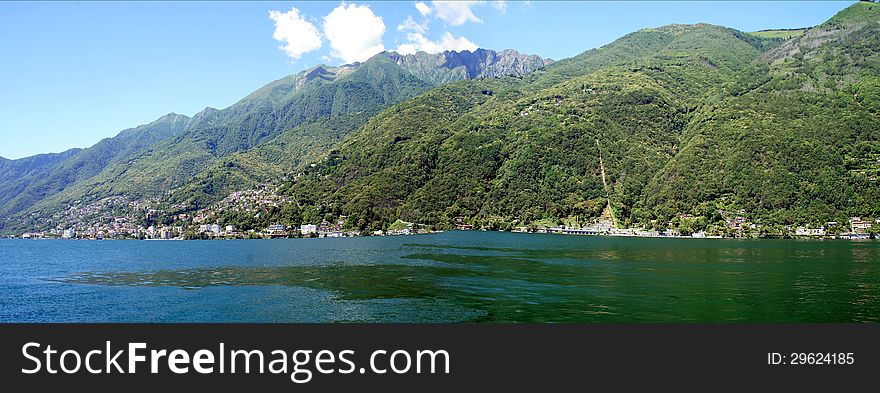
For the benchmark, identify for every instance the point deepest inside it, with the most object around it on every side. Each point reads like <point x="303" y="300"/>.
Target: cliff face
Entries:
<point x="482" y="63"/>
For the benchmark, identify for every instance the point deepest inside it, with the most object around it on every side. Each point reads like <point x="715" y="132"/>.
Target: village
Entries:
<point x="739" y="227"/>
<point x="117" y="218"/>
<point x="121" y="228"/>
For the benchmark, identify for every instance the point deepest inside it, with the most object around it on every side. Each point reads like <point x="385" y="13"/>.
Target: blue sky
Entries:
<point x="74" y="73"/>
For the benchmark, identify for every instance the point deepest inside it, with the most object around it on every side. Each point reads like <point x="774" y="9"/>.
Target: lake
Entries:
<point x="457" y="276"/>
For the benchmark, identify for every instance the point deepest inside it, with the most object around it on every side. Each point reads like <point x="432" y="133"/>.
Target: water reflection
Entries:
<point x="566" y="280"/>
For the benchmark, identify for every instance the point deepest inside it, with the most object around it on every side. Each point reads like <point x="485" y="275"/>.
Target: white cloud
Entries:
<point x="411" y="25"/>
<point x="298" y="35"/>
<point x="456" y="13"/>
<point x="423" y="8"/>
<point x="500" y="5"/>
<point x="418" y="42"/>
<point x="354" y="31"/>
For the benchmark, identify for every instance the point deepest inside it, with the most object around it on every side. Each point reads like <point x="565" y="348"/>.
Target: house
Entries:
<point x="857" y="225"/>
<point x="804" y="231"/>
<point x="671" y="233"/>
<point x="404" y="231"/>
<point x="68" y="234"/>
<point x="276" y="230"/>
<point x="308" y="228"/>
<point x="324" y="227"/>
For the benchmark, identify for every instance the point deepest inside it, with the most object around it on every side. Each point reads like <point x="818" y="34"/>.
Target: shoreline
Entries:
<point x="846" y="236"/>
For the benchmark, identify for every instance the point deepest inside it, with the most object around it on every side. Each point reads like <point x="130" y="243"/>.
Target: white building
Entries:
<point x="803" y="231"/>
<point x="857" y="225"/>
<point x="308" y="228"/>
<point x="68" y="234"/>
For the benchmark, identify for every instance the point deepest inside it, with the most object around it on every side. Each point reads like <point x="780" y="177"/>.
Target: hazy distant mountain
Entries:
<point x="29" y="180"/>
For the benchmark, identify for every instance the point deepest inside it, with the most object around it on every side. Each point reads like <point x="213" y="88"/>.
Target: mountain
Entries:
<point x="451" y="66"/>
<point x="524" y="150"/>
<point x="15" y="175"/>
<point x="794" y="139"/>
<point x="49" y="174"/>
<point x="689" y="127"/>
<point x="684" y="125"/>
<point x="201" y="159"/>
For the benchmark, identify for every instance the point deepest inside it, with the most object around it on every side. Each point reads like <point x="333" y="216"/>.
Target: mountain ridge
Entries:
<point x="683" y="127"/>
<point x="315" y="98"/>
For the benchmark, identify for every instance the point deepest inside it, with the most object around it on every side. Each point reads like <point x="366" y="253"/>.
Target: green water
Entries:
<point x="449" y="277"/>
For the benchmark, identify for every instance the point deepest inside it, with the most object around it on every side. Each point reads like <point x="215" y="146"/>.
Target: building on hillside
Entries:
<point x="671" y="233"/>
<point x="858" y="225"/>
<point x="69" y="233"/>
<point x="805" y="231"/>
<point x="276" y="230"/>
<point x="324" y="227"/>
<point x="308" y="228"/>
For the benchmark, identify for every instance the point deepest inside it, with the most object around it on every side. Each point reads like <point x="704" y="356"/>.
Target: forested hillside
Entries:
<point x="684" y="127"/>
<point x="526" y="152"/>
<point x="693" y="124"/>
<point x="794" y="138"/>
<point x="191" y="163"/>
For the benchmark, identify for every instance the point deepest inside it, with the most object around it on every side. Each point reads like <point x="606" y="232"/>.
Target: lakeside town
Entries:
<point x="205" y="225"/>
<point x="118" y="218"/>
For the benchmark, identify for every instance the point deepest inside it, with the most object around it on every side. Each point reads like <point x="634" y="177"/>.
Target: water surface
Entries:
<point x="447" y="277"/>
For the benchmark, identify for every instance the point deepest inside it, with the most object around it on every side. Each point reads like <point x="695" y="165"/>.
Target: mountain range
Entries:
<point x="680" y="126"/>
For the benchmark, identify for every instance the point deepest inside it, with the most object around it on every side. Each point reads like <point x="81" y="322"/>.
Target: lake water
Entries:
<point x="457" y="276"/>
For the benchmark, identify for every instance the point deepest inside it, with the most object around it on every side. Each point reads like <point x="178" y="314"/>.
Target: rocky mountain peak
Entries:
<point x="480" y="63"/>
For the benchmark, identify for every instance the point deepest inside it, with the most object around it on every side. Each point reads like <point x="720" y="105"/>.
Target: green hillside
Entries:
<point x="268" y="133"/>
<point x="782" y="34"/>
<point x="196" y="159"/>
<point x="795" y="139"/>
<point x="57" y="172"/>
<point x="688" y="127"/>
<point x="694" y="121"/>
<point x="511" y="151"/>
